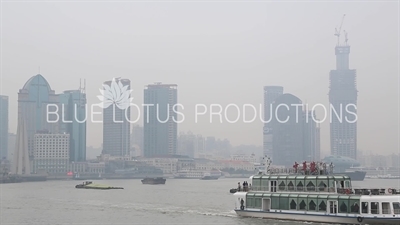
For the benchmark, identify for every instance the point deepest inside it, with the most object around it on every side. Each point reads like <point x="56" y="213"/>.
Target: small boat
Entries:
<point x="90" y="185"/>
<point x="233" y="190"/>
<point x="209" y="178"/>
<point x="158" y="180"/>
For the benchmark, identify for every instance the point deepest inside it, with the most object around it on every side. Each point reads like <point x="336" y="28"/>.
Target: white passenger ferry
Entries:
<point x="312" y="195"/>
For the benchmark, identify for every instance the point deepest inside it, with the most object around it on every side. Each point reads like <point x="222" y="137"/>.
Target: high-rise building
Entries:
<point x="73" y="122"/>
<point x="3" y="127"/>
<point x="33" y="100"/>
<point x="116" y="125"/>
<point x="271" y="93"/>
<point x="288" y="128"/>
<point x="21" y="159"/>
<point x="160" y="126"/>
<point x="137" y="140"/>
<point x="342" y="96"/>
<point x="11" y="145"/>
<point x="311" y="137"/>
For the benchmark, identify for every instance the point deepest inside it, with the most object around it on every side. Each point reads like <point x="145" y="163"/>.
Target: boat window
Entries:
<point x="303" y="205"/>
<point x="257" y="203"/>
<point x="256" y="184"/>
<point x="347" y="184"/>
<point x="322" y="206"/>
<point x="264" y="184"/>
<point x="310" y="186"/>
<point x="290" y="186"/>
<point x="354" y="208"/>
<point x="275" y="202"/>
<point x="293" y="204"/>
<point x="312" y="205"/>
<point x="343" y="207"/>
<point x="331" y="184"/>
<point x="249" y="201"/>
<point x="386" y="208"/>
<point x="332" y="206"/>
<point x="364" y="207"/>
<point x="273" y="186"/>
<point x="284" y="202"/>
<point x="322" y="185"/>
<point x="300" y="186"/>
<point x="396" y="207"/>
<point x="374" y="208"/>
<point x="282" y="186"/>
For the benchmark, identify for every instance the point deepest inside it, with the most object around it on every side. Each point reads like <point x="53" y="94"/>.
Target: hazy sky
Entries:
<point x="217" y="52"/>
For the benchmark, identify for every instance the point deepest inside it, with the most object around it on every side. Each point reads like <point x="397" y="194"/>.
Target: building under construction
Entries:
<point x="343" y="100"/>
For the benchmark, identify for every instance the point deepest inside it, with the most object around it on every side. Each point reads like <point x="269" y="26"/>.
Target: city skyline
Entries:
<point x="235" y="72"/>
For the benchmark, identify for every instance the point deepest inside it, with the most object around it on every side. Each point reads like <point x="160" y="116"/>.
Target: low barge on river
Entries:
<point x="312" y="195"/>
<point x="90" y="185"/>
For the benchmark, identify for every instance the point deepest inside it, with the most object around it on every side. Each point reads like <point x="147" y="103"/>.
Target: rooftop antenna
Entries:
<point x="337" y="32"/>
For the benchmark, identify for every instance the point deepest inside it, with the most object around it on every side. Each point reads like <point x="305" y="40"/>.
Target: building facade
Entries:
<point x="34" y="99"/>
<point x="73" y="122"/>
<point x="116" y="126"/>
<point x="312" y="148"/>
<point x="160" y="126"/>
<point x="137" y="140"/>
<point x="3" y="127"/>
<point x="342" y="95"/>
<point x="288" y="128"/>
<point x="271" y="93"/>
<point x="51" y="153"/>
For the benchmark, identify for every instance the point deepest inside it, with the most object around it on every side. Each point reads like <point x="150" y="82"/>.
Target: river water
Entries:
<point x="179" y="201"/>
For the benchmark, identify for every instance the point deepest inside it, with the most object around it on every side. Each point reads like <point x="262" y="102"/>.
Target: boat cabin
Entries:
<point x="301" y="183"/>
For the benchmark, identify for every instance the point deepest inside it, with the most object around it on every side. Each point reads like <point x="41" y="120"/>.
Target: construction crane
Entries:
<point x="345" y="37"/>
<point x="337" y="32"/>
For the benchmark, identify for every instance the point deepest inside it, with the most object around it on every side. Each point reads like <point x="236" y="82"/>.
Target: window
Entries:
<point x="282" y="186"/>
<point x="290" y="186"/>
<point x="374" y="207"/>
<point x="386" y="208"/>
<point x="322" y="206"/>
<point x="293" y="205"/>
<point x="343" y="208"/>
<point x="396" y="207"/>
<point x="364" y="207"/>
<point x="300" y="186"/>
<point x="303" y="205"/>
<point x="312" y="206"/>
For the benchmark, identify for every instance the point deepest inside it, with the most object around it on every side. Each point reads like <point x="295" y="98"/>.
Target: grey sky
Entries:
<point x="217" y="52"/>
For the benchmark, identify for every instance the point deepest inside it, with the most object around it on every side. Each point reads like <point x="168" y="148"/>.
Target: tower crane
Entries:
<point x="337" y="32"/>
<point x="345" y="37"/>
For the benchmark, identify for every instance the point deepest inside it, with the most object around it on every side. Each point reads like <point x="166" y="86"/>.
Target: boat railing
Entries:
<point x="376" y="191"/>
<point x="295" y="189"/>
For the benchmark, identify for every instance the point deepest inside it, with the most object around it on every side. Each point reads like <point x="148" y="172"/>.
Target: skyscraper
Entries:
<point x="73" y="111"/>
<point x="342" y="96"/>
<point x="270" y="94"/>
<point x="116" y="125"/>
<point x="21" y="159"/>
<point x="137" y="139"/>
<point x="160" y="129"/>
<point x="311" y="137"/>
<point x="3" y="127"/>
<point x="33" y="100"/>
<point x="288" y="128"/>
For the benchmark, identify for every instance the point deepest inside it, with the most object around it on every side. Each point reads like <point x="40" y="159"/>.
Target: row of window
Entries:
<point x="341" y="204"/>
<point x="299" y="185"/>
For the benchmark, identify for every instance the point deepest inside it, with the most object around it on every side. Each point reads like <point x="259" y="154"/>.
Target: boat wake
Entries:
<point x="167" y="209"/>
